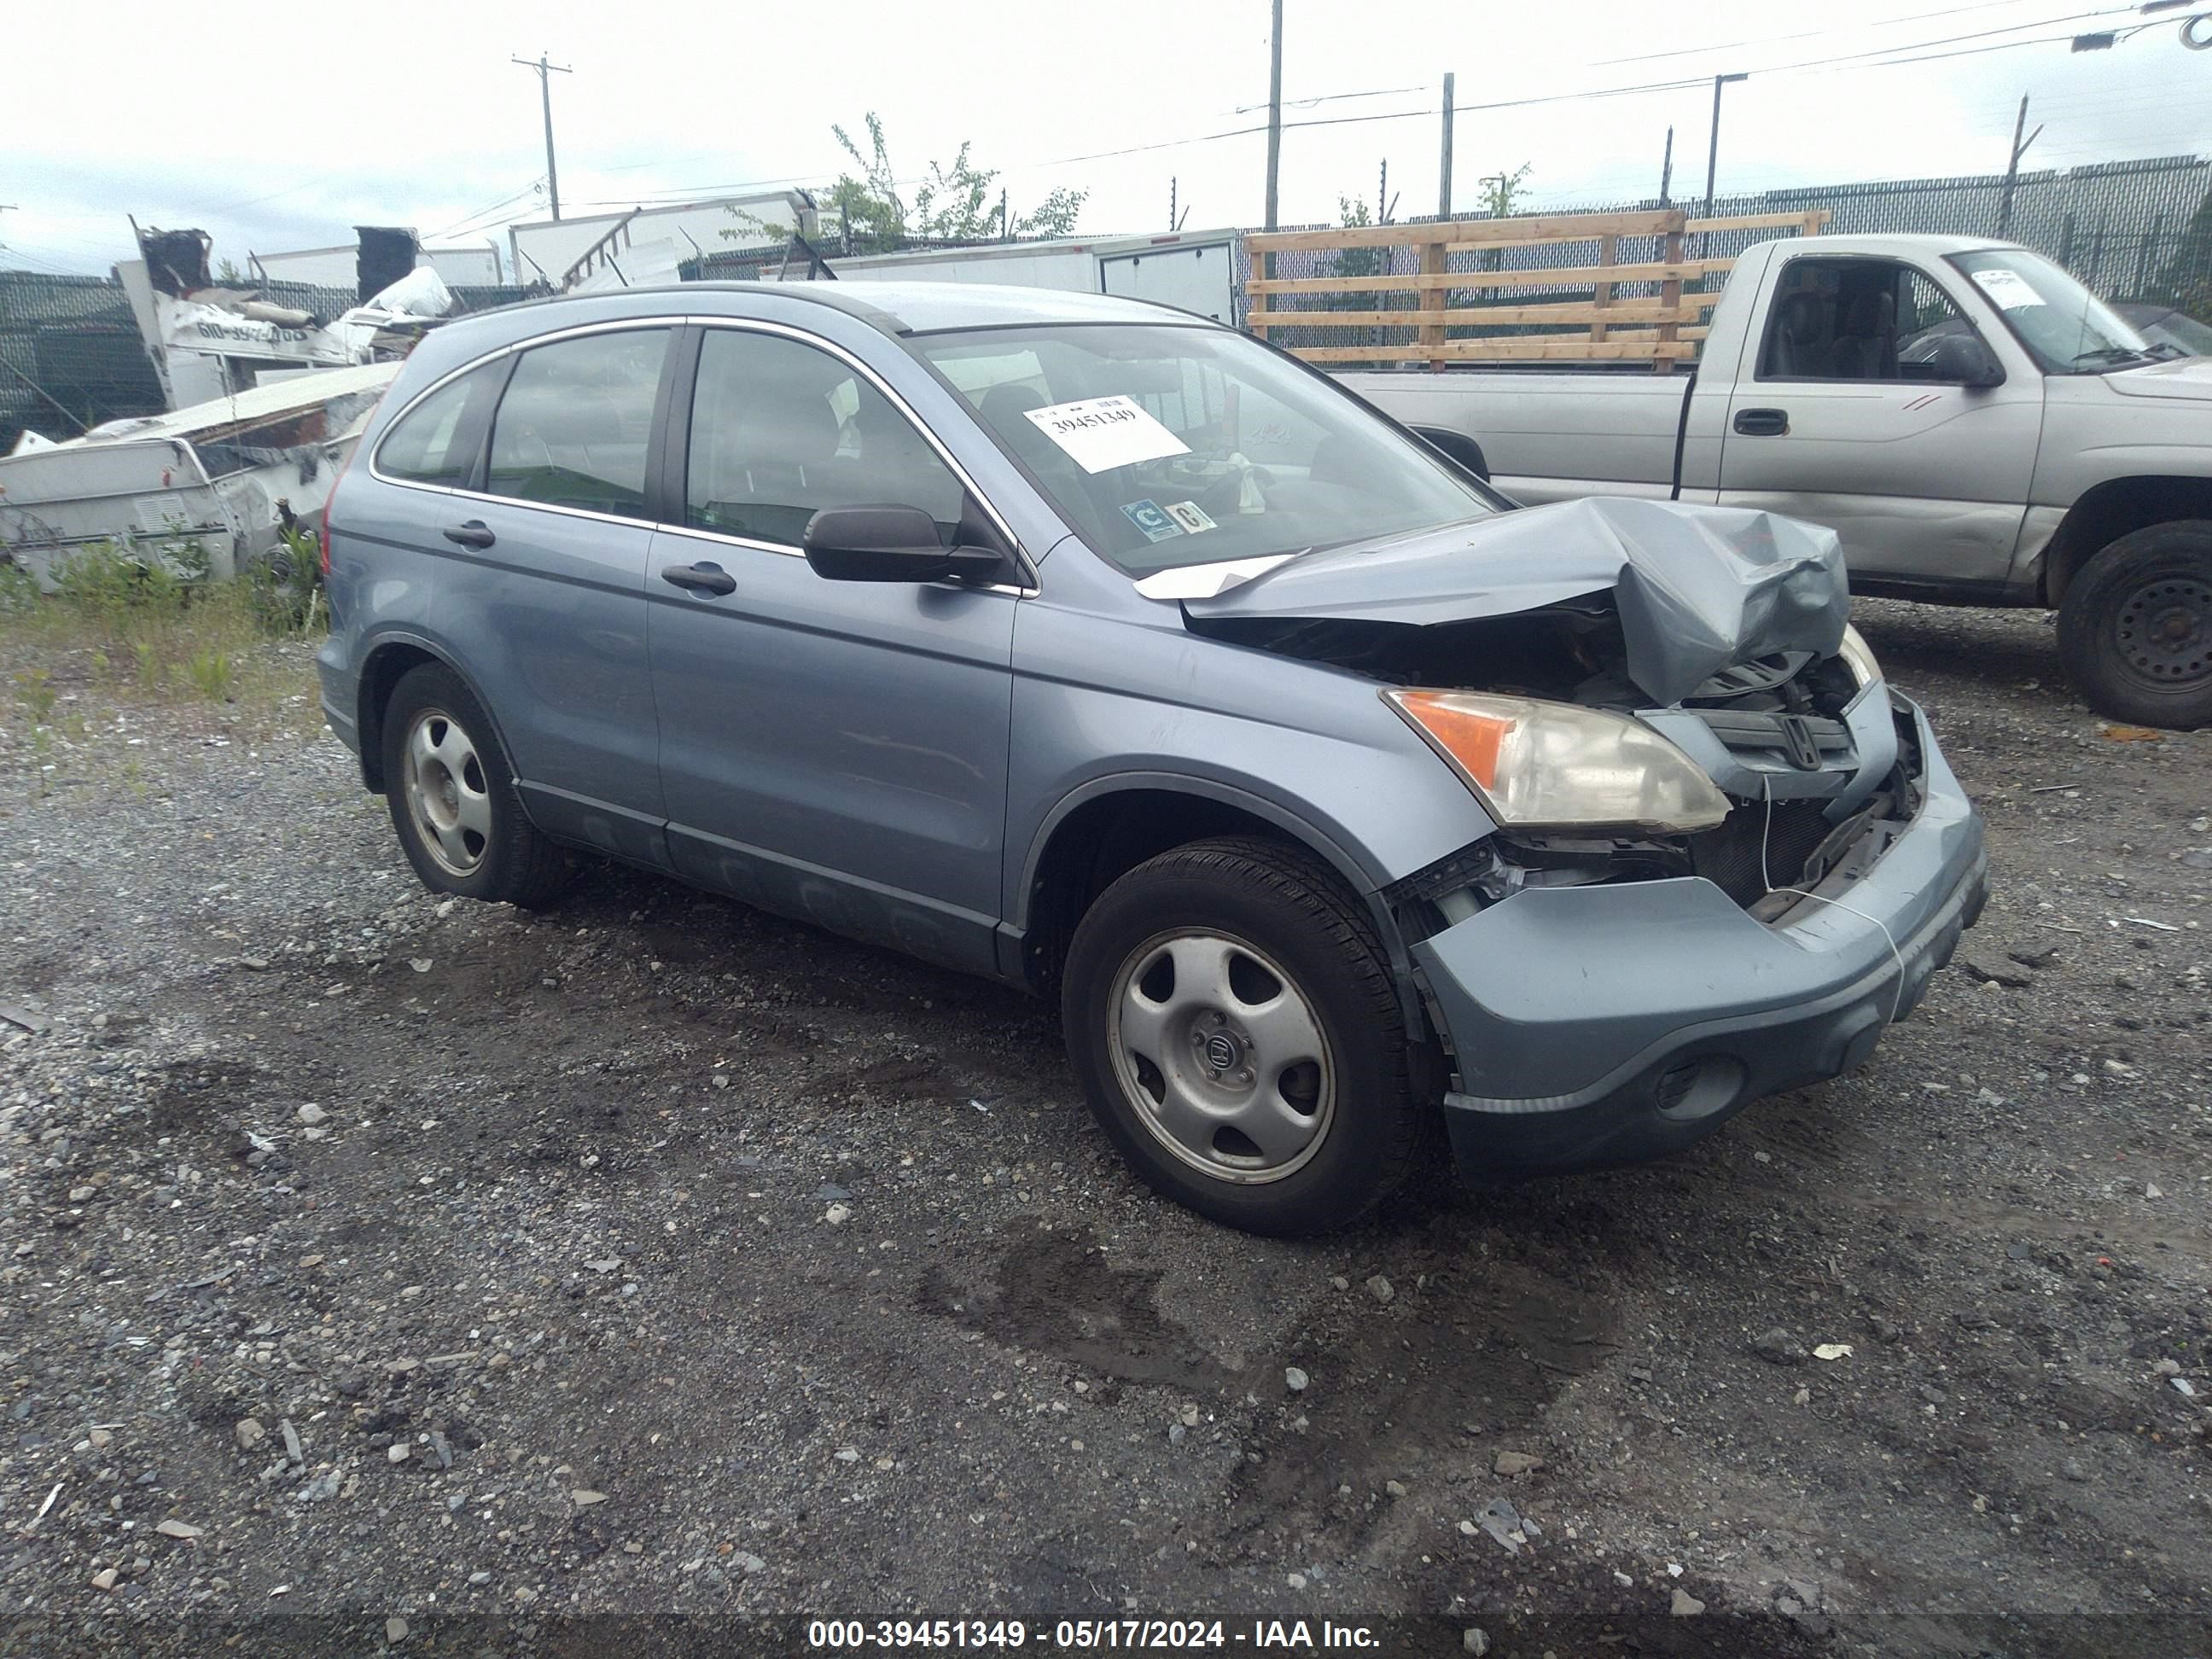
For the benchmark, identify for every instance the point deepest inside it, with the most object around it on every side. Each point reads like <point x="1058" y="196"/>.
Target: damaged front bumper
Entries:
<point x="1607" y="1023"/>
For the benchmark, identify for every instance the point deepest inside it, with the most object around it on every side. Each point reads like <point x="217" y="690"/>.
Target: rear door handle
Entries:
<point x="701" y="577"/>
<point x="474" y="533"/>
<point x="1763" y="422"/>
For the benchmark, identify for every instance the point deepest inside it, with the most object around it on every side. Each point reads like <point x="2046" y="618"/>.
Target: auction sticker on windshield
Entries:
<point x="2009" y="288"/>
<point x="1099" y="434"/>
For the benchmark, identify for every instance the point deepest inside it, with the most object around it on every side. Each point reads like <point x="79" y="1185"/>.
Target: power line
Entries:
<point x="1808" y="35"/>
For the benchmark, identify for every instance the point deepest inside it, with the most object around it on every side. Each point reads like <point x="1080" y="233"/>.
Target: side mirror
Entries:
<point x="889" y="544"/>
<point x="1963" y="359"/>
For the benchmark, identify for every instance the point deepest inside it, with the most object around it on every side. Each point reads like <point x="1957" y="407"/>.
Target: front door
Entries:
<point x="1855" y="417"/>
<point x="831" y="749"/>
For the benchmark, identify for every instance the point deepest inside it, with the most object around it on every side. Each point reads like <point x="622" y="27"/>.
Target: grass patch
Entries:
<point x="126" y="626"/>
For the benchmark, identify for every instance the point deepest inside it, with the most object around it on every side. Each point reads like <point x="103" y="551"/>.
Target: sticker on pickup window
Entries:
<point x="1152" y="518"/>
<point x="2007" y="289"/>
<point x="1190" y="515"/>
<point x="1099" y="434"/>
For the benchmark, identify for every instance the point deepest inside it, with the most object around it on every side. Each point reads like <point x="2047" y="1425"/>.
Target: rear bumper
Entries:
<point x="337" y="682"/>
<point x="1602" y="1025"/>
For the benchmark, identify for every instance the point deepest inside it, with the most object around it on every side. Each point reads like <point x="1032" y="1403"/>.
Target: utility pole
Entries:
<point x="1443" y="166"/>
<point x="1172" y="202"/>
<point x="1667" y="172"/>
<point x="545" y="73"/>
<point x="1713" y="148"/>
<point x="1383" y="195"/>
<point x="1274" y="112"/>
<point x="1713" y="153"/>
<point x="2012" y="167"/>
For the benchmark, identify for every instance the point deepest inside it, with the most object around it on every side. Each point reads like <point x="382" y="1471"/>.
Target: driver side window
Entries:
<point x="781" y="430"/>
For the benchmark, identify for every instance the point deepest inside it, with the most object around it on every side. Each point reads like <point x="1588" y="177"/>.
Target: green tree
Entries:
<point x="1501" y="198"/>
<point x="2188" y="280"/>
<point x="956" y="203"/>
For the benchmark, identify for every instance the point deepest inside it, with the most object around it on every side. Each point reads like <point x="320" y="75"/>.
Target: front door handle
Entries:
<point x="701" y="577"/>
<point x="1763" y="422"/>
<point x="474" y="533"/>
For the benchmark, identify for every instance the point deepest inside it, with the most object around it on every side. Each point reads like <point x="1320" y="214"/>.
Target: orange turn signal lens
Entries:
<point x="1471" y="738"/>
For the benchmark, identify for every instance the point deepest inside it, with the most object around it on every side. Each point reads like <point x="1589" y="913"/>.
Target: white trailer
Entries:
<point x="212" y="474"/>
<point x="567" y="253"/>
<point x="1193" y="270"/>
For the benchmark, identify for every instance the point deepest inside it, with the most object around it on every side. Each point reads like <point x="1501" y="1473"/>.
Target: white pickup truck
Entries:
<point x="1976" y="426"/>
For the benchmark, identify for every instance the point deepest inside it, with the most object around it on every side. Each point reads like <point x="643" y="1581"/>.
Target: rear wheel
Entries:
<point x="453" y="800"/>
<point x="1233" y="1021"/>
<point x="2135" y="629"/>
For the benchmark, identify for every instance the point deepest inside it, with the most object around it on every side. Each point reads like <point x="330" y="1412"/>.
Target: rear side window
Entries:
<point x="435" y="441"/>
<point x="574" y="425"/>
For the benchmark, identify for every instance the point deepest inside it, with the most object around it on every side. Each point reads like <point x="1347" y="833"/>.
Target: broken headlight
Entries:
<point x="1557" y="765"/>
<point x="1858" y="655"/>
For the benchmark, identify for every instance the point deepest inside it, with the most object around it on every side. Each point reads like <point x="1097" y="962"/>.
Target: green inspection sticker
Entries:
<point x="1155" y="521"/>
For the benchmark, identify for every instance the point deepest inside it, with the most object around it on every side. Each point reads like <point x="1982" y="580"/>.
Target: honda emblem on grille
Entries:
<point x="1804" y="748"/>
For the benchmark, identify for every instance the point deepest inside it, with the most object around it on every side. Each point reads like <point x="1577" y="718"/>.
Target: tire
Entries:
<point x="1233" y="1021"/>
<point x="452" y="801"/>
<point x="2134" y="632"/>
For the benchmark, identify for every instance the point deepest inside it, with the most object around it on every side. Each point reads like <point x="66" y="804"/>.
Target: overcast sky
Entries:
<point x="276" y="134"/>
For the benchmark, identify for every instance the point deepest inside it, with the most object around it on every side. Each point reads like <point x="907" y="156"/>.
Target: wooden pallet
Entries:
<point x="1662" y="331"/>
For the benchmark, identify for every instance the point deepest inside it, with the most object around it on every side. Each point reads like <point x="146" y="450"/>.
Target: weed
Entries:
<point x="211" y="674"/>
<point x="19" y="588"/>
<point x="149" y="663"/>
<point x="34" y="690"/>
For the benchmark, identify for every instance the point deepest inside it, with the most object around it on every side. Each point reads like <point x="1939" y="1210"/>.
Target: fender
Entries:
<point x="1363" y="881"/>
<point x="371" y="754"/>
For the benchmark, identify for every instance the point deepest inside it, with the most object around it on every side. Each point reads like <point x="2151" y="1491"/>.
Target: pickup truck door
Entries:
<point x="1851" y="411"/>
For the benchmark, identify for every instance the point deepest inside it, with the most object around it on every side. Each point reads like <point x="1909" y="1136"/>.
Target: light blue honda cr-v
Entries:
<point x="1114" y="653"/>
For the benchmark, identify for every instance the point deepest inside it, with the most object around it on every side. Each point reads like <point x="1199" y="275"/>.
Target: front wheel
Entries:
<point x="2136" y="630"/>
<point x="1237" y="1034"/>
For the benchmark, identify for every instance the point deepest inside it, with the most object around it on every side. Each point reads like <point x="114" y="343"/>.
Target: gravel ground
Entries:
<point x="371" y="1255"/>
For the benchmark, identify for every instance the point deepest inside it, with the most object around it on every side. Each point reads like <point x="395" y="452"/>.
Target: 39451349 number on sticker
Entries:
<point x="899" y="1635"/>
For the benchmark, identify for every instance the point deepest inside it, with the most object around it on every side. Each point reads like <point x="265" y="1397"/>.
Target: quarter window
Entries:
<point x="435" y="441"/>
<point x="781" y="430"/>
<point x="575" y="424"/>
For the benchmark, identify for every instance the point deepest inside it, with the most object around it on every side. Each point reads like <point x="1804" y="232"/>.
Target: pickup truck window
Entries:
<point x="2064" y="327"/>
<point x="1166" y="446"/>
<point x="1859" y="320"/>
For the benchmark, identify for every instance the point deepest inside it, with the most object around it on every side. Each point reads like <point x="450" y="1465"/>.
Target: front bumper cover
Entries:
<point x="1606" y="1024"/>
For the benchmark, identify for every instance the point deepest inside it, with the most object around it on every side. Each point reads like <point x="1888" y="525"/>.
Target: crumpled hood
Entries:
<point x="1697" y="588"/>
<point x="2183" y="377"/>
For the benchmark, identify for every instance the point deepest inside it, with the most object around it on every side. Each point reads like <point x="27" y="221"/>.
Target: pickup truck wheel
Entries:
<point x="452" y="798"/>
<point x="1233" y="1021"/>
<point x="2135" y="629"/>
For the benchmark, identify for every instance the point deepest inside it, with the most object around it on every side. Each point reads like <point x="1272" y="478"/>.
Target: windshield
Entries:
<point x="1165" y="446"/>
<point x="2174" y="328"/>
<point x="2066" y="328"/>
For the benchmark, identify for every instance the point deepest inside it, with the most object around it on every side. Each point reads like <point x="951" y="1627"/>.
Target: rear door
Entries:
<point x="547" y="549"/>
<point x="831" y="749"/>
<point x="1846" y="417"/>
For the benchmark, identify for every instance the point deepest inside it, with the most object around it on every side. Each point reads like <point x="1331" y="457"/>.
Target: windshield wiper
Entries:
<point x="2112" y="354"/>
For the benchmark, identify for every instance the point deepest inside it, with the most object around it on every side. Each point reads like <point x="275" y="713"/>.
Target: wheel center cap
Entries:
<point x="1221" y="1053"/>
<point x="2177" y="626"/>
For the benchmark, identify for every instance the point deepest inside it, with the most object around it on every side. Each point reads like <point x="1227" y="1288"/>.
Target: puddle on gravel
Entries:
<point x="1052" y="1292"/>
